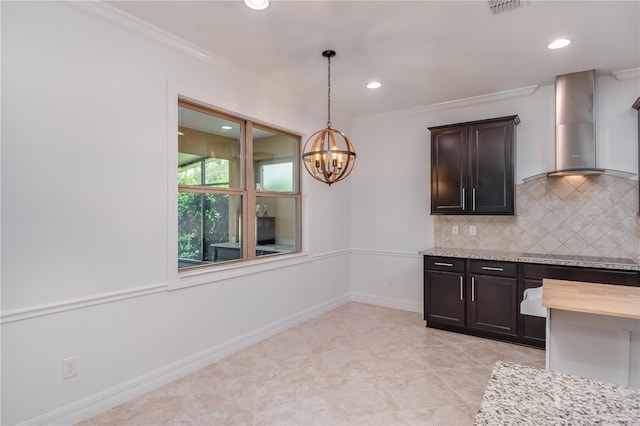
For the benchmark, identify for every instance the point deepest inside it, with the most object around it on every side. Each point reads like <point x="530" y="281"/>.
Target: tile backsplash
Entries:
<point x="576" y="215"/>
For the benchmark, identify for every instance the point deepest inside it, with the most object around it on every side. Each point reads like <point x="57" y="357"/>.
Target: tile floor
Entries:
<point x="356" y="365"/>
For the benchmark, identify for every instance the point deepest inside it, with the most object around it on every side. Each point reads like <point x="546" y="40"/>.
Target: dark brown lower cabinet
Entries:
<point x="482" y="297"/>
<point x="492" y="304"/>
<point x="464" y="295"/>
<point x="444" y="298"/>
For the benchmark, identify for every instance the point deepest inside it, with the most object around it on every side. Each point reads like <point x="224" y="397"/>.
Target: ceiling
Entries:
<point x="423" y="52"/>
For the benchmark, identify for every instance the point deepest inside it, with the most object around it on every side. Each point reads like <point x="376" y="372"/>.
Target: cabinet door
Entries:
<point x="491" y="156"/>
<point x="492" y="304"/>
<point x="531" y="327"/>
<point x="444" y="297"/>
<point x="448" y="170"/>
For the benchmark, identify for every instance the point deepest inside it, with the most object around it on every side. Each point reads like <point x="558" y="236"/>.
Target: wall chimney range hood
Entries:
<point x="576" y="124"/>
<point x="576" y="127"/>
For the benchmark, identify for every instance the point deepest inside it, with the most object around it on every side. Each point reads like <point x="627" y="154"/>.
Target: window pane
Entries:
<point x="190" y="174"/>
<point x="209" y="228"/>
<point x="276" y="177"/>
<point x="216" y="172"/>
<point x="276" y="225"/>
<point x="274" y="162"/>
<point x="208" y="150"/>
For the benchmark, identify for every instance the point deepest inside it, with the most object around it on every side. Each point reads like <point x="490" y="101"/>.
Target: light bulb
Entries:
<point x="559" y="43"/>
<point x="257" y="4"/>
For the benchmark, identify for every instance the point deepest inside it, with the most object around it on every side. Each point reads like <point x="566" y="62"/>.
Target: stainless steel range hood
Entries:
<point x="576" y="126"/>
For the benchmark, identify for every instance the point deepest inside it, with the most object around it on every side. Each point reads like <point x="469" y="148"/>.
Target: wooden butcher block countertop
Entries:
<point x="593" y="298"/>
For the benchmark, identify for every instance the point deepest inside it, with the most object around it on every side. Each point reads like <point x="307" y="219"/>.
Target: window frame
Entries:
<point x="247" y="191"/>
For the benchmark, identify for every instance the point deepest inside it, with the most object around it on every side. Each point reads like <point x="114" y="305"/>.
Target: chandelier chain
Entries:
<point x="329" y="92"/>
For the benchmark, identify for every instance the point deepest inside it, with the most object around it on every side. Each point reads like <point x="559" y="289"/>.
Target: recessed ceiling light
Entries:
<point x="180" y="133"/>
<point x="226" y="127"/>
<point x="559" y="43"/>
<point x="257" y="4"/>
<point x="374" y="85"/>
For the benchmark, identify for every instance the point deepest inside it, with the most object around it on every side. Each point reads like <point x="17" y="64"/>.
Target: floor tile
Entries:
<point x="415" y="390"/>
<point x="450" y="415"/>
<point x="358" y="364"/>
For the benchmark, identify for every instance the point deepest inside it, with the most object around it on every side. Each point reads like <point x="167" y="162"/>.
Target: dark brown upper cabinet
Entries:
<point x="472" y="167"/>
<point x="636" y="106"/>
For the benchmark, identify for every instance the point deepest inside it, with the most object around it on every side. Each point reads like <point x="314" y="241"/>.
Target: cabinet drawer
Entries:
<point x="492" y="267"/>
<point x="452" y="264"/>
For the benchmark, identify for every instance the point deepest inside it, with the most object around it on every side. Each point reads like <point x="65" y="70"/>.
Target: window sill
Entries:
<point x="237" y="269"/>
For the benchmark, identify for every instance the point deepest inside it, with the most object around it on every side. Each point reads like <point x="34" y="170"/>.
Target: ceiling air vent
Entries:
<point x="499" y="6"/>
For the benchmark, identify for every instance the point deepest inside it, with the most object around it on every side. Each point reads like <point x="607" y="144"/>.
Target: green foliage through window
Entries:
<point x="203" y="219"/>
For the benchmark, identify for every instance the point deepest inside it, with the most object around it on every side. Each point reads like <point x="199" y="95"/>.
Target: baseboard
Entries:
<point x="387" y="302"/>
<point x="109" y="398"/>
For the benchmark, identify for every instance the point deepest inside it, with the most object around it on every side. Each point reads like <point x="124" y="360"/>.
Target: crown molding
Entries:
<point x="628" y="74"/>
<point x="456" y="103"/>
<point x="139" y="26"/>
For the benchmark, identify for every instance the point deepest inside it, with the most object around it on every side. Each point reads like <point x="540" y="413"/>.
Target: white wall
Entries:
<point x="85" y="114"/>
<point x="390" y="191"/>
<point x="617" y="124"/>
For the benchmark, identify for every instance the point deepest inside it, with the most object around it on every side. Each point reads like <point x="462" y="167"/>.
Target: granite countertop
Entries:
<point x="517" y="394"/>
<point x="547" y="259"/>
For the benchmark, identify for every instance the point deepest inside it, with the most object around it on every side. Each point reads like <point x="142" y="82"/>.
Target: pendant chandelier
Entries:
<point x="328" y="154"/>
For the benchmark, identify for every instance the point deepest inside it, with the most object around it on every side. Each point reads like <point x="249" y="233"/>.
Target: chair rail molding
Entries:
<point x="79" y="303"/>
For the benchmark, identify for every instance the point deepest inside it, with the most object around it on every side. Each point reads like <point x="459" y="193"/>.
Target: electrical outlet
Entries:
<point x="473" y="231"/>
<point x="455" y="230"/>
<point x="69" y="367"/>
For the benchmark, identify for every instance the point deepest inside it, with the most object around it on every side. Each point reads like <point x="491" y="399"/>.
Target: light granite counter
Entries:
<point x="517" y="394"/>
<point x="546" y="259"/>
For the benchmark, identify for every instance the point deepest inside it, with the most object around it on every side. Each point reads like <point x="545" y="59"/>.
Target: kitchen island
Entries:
<point x="593" y="330"/>
<point x="517" y="394"/>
